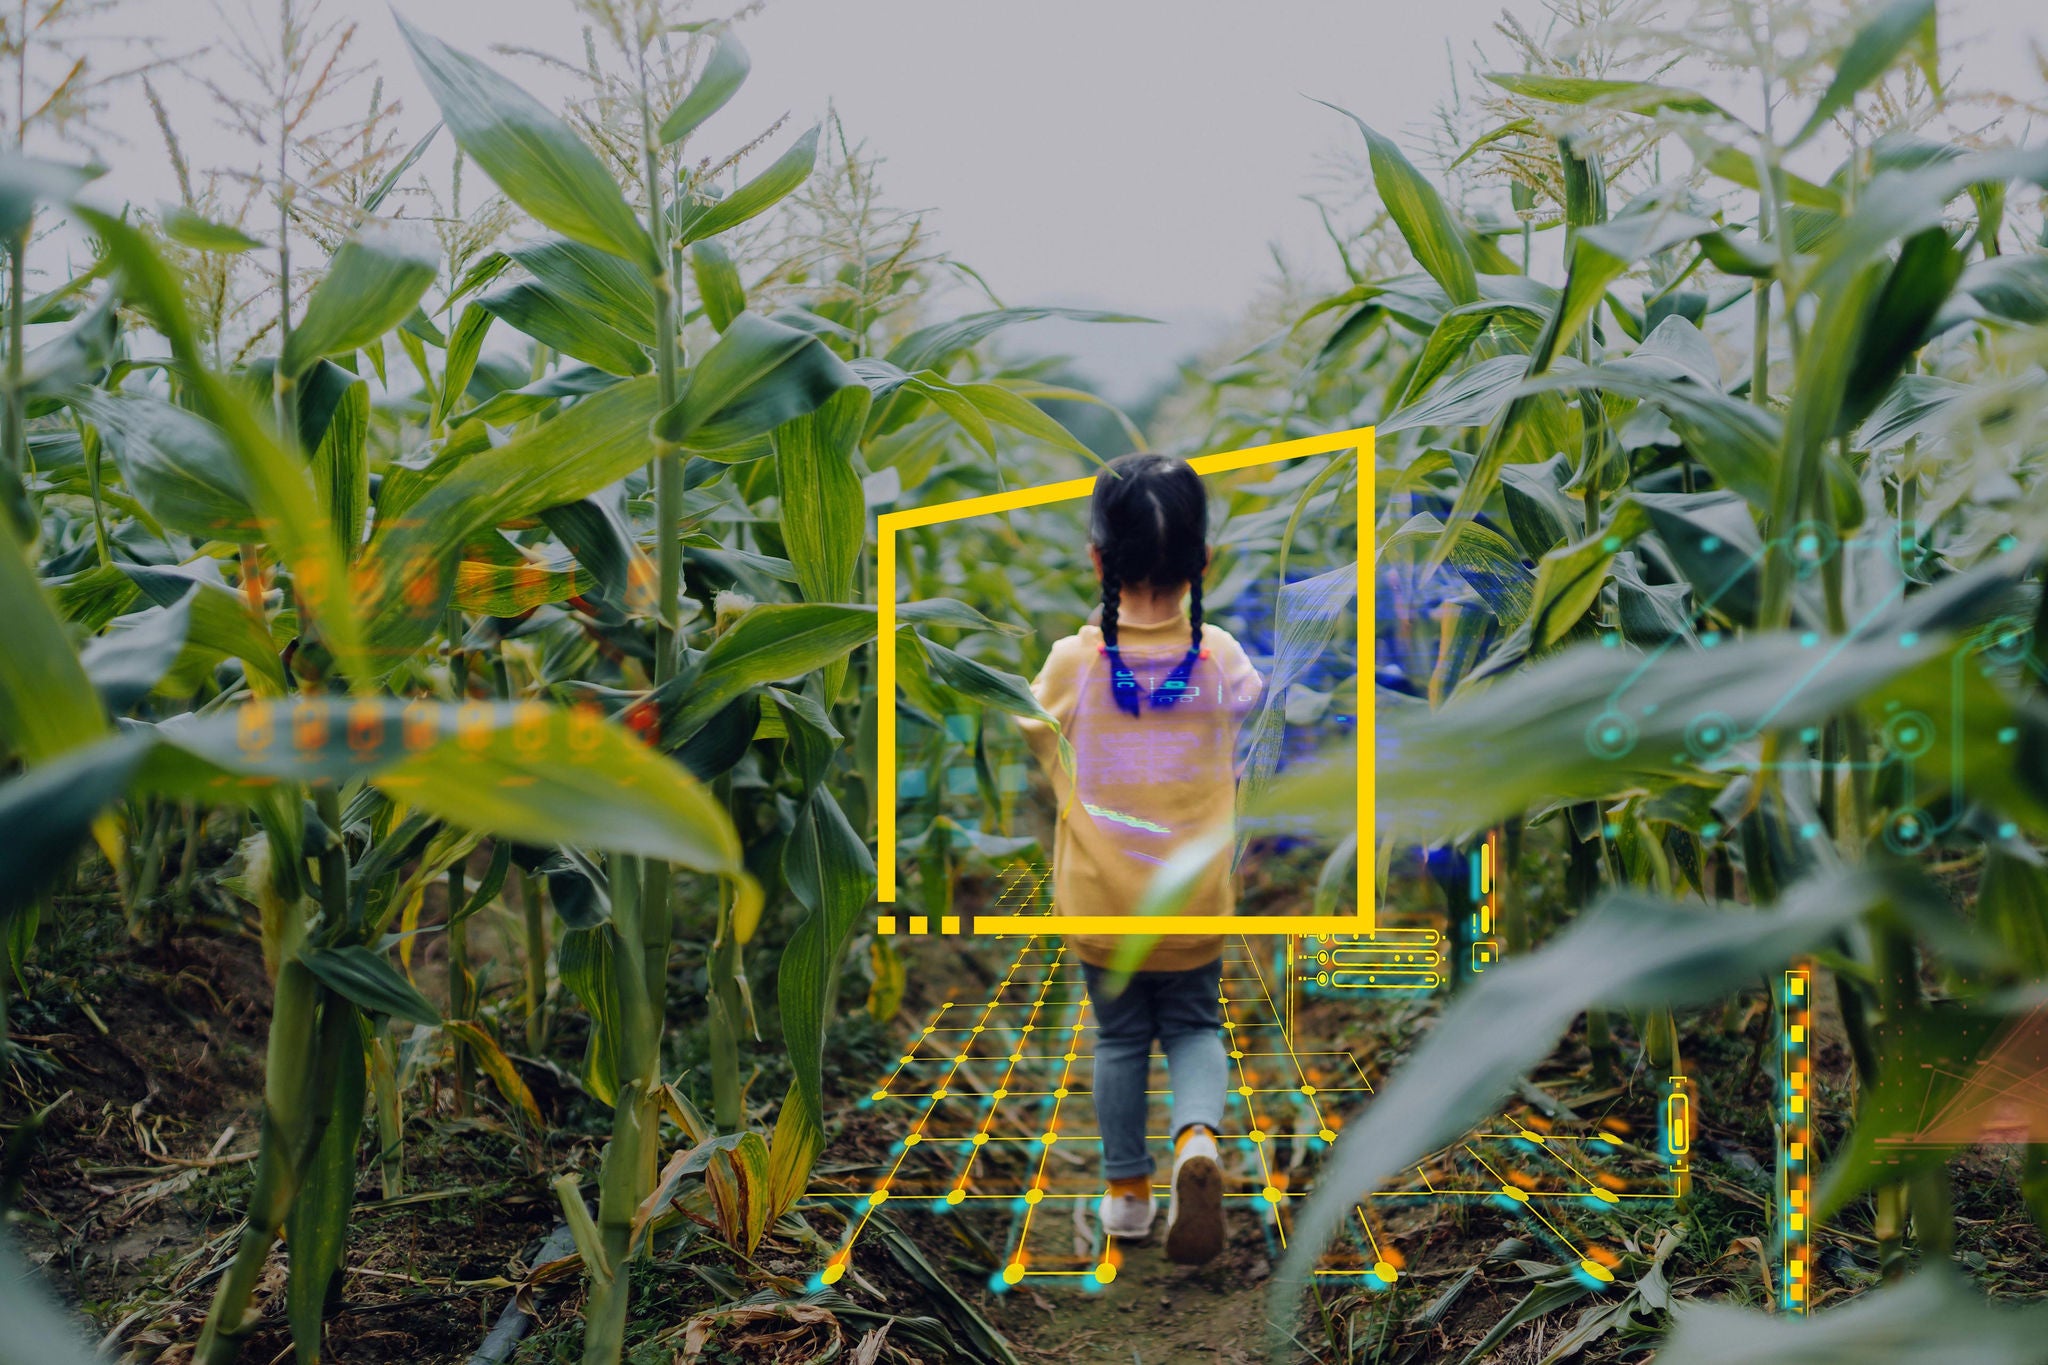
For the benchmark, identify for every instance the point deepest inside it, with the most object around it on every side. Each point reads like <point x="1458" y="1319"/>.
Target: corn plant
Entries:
<point x="1680" y="617"/>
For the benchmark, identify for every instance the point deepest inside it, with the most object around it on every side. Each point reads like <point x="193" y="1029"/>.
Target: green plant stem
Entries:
<point x="628" y="1171"/>
<point x="308" y="1028"/>
<point x="532" y="888"/>
<point x="390" y="1111"/>
<point x="14" y="433"/>
<point x="460" y="1006"/>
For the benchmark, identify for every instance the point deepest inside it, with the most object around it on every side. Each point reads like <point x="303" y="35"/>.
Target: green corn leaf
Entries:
<point x="1460" y="327"/>
<point x="492" y="1060"/>
<point x="584" y="958"/>
<point x="828" y="868"/>
<point x="47" y="705"/>
<point x="1890" y="31"/>
<point x="1933" y="1317"/>
<point x="930" y="348"/>
<point x="373" y="283"/>
<point x="127" y="662"/>
<point x="566" y="326"/>
<point x="187" y="228"/>
<point x="718" y="284"/>
<point x="465" y="346"/>
<point x="1631" y="97"/>
<point x="534" y="157"/>
<point x="46" y="813"/>
<point x="824" y="512"/>
<point x="410" y="561"/>
<point x="699" y="219"/>
<point x="725" y="70"/>
<point x="593" y="284"/>
<point x="277" y="484"/>
<point x="1629" y="952"/>
<point x="316" y="1229"/>
<point x="512" y="589"/>
<point x="177" y="464"/>
<point x="38" y="1331"/>
<point x="1433" y="237"/>
<point x="528" y="772"/>
<point x="948" y="611"/>
<point x="368" y="981"/>
<point x="770" y="643"/>
<point x="221" y="621"/>
<point x="759" y="375"/>
<point x="341" y="466"/>
<point x="989" y="686"/>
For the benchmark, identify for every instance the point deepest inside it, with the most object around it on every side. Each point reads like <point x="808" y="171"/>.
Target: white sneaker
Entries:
<point x="1127" y="1217"/>
<point x="1194" y="1218"/>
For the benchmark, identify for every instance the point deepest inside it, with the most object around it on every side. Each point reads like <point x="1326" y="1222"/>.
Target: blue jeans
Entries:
<point x="1180" y="1009"/>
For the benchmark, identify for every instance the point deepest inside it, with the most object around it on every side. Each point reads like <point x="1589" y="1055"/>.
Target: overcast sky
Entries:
<point x="1140" y="155"/>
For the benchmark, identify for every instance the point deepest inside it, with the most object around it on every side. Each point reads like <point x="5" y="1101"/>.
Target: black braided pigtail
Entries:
<point x="1176" y="685"/>
<point x="1123" y="686"/>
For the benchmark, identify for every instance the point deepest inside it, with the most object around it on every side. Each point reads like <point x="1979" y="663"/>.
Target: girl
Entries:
<point x="1150" y="701"/>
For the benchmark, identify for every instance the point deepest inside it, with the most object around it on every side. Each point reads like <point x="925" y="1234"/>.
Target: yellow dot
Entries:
<point x="1221" y="1001"/>
<point x="940" y="1093"/>
<point x="1060" y="1093"/>
<point x="931" y="1028"/>
<point x="881" y="1094"/>
<point x="1604" y="1196"/>
<point x="980" y="1139"/>
<point x="879" y="1197"/>
<point x="1013" y="1272"/>
<point x="1519" y="1196"/>
<point x="1235" y="1053"/>
<point x="1033" y="1196"/>
<point x="1326" y="1135"/>
<point x="977" y="1029"/>
<point x="1025" y="1029"/>
<point x="1256" y="1136"/>
<point x="912" y="1139"/>
<point x="955" y="1196"/>
<point x="1229" y="1026"/>
<point x="1385" y="1270"/>
<point x="1050" y="1137"/>
<point x="1528" y="1136"/>
<point x="903" y="1061"/>
<point x="1270" y="1195"/>
<point x="1105" y="1273"/>
<point x="1308" y="1090"/>
<point x="1073" y="1056"/>
<point x="832" y="1273"/>
<point x="1597" y="1271"/>
<point x="1245" y="1091"/>
<point x="1001" y="1093"/>
<point x="1016" y="1056"/>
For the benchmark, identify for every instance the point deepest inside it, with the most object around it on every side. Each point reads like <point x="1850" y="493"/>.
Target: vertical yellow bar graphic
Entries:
<point x="1368" y="725"/>
<point x="885" y="708"/>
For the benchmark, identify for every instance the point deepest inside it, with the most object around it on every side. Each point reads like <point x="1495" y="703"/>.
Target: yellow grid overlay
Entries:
<point x="992" y="1099"/>
<point x="1070" y="490"/>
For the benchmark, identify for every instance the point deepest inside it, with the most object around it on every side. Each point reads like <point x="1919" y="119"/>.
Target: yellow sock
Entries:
<point x="1131" y="1186"/>
<point x="1181" y="1138"/>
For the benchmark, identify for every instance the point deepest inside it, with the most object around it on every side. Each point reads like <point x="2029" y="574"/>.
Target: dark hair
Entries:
<point x="1150" y="521"/>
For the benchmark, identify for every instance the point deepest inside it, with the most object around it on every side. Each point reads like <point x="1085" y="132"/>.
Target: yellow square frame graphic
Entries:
<point x="1070" y="490"/>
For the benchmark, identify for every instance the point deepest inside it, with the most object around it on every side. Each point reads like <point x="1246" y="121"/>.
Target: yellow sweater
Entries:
<point x="1142" y="786"/>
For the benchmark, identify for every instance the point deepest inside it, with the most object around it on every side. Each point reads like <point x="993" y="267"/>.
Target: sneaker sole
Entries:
<point x="1195" y="1233"/>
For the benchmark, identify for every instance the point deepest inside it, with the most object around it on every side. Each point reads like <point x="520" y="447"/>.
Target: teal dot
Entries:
<point x="1808" y="544"/>
<point x="1611" y="544"/>
<point x="2007" y="829"/>
<point x="1809" y="830"/>
<point x="1809" y="640"/>
<point x="1810" y="735"/>
<point x="1710" y="639"/>
<point x="2008" y="734"/>
<point x="1908" y="638"/>
<point x="1611" y="831"/>
<point x="1710" y="544"/>
<point x="1609" y="640"/>
<point x="2007" y="542"/>
<point x="1711" y="830"/>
